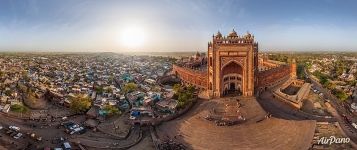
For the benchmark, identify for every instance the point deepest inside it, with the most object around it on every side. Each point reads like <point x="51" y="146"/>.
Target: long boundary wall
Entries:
<point x="190" y="76"/>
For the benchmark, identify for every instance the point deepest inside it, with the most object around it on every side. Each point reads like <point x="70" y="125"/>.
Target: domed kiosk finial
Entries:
<point x="219" y="34"/>
<point x="233" y="33"/>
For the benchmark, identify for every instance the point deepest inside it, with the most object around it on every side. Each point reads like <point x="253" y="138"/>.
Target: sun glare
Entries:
<point x="132" y="37"/>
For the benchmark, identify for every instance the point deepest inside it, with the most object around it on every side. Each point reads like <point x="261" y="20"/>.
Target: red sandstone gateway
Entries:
<point x="232" y="67"/>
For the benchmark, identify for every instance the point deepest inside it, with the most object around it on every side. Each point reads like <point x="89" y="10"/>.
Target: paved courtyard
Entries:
<point x="257" y="133"/>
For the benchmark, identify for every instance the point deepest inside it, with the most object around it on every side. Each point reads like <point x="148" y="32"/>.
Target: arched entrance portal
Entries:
<point x="232" y="74"/>
<point x="232" y="86"/>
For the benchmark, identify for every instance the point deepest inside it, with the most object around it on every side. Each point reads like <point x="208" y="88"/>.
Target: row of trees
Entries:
<point x="325" y="80"/>
<point x="300" y="71"/>
<point x="81" y="103"/>
<point x="101" y="89"/>
<point x="278" y="57"/>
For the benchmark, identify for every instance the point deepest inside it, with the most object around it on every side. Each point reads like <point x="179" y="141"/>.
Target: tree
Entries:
<point x="109" y="90"/>
<point x="341" y="95"/>
<point x="184" y="96"/>
<point x="80" y="103"/>
<point x="111" y="110"/>
<point x="25" y="76"/>
<point x="355" y="74"/>
<point x="157" y="89"/>
<point x="191" y="89"/>
<point x="352" y="83"/>
<point x="330" y="85"/>
<point x="76" y="78"/>
<point x="322" y="77"/>
<point x="18" y="108"/>
<point x="176" y="88"/>
<point x="300" y="71"/>
<point x="130" y="87"/>
<point x="8" y="93"/>
<point x="99" y="89"/>
<point x="111" y="79"/>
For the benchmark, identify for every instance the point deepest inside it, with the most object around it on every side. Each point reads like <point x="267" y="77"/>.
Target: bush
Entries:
<point x="111" y="110"/>
<point x="18" y="108"/>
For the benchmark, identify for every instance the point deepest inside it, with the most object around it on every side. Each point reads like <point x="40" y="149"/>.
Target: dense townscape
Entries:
<point x="79" y="91"/>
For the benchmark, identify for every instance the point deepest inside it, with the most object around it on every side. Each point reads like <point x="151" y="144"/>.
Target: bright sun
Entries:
<point x="132" y="37"/>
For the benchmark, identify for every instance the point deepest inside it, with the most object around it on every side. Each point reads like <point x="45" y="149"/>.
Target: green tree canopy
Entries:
<point x="330" y="85"/>
<point x="80" y="103"/>
<point x="176" y="88"/>
<point x="18" y="108"/>
<point x="322" y="77"/>
<point x="130" y="87"/>
<point x="184" y="95"/>
<point x="99" y="89"/>
<point x="109" y="89"/>
<point x="111" y="110"/>
<point x="341" y="95"/>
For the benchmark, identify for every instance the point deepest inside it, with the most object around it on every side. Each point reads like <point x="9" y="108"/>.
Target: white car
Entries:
<point x="354" y="125"/>
<point x="1" y="127"/>
<point x="14" y="128"/>
<point x="74" y="126"/>
<point x="18" y="135"/>
<point x="77" y="130"/>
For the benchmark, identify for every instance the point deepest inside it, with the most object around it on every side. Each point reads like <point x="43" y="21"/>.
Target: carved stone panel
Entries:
<point x="226" y="60"/>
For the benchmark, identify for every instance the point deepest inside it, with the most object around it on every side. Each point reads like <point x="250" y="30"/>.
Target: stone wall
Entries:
<point x="269" y="77"/>
<point x="190" y="76"/>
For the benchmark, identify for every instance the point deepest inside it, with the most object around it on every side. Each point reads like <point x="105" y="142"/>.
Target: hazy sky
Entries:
<point x="175" y="25"/>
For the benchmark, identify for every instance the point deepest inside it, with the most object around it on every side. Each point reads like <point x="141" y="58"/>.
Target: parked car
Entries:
<point x="67" y="146"/>
<point x="18" y="135"/>
<point x="15" y="128"/>
<point x="73" y="127"/>
<point x="354" y="125"/>
<point x="77" y="130"/>
<point x="68" y="124"/>
<point x="1" y="127"/>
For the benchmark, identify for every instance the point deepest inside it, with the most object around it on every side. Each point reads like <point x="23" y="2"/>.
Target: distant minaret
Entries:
<point x="293" y="68"/>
